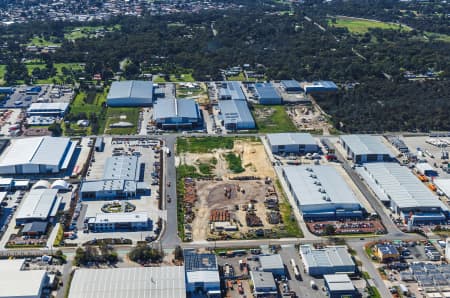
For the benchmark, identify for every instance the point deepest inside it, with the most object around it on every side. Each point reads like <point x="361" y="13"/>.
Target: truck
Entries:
<point x="313" y="285"/>
<point x="168" y="152"/>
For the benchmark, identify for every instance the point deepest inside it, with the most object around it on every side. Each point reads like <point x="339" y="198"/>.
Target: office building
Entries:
<point x="111" y="222"/>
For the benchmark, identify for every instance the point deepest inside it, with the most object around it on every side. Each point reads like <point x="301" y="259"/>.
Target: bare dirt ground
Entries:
<point x="253" y="156"/>
<point x="211" y="196"/>
<point x="308" y="118"/>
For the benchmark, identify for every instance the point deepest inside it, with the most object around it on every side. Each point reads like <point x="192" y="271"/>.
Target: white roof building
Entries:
<point x="130" y="93"/>
<point x="292" y="143"/>
<point x="18" y="283"/>
<point x="161" y="282"/>
<point x="328" y="260"/>
<point x="38" y="205"/>
<point x="38" y="155"/>
<point x="365" y="148"/>
<point x="47" y="109"/>
<point x="320" y="192"/>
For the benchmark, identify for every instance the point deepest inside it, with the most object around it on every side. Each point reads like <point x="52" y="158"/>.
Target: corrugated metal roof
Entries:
<point x="120" y="217"/>
<point x="41" y="150"/>
<point x="15" y="282"/>
<point x="402" y="186"/>
<point x="235" y="111"/>
<point x="262" y="280"/>
<point x="131" y="89"/>
<point x="320" y="186"/>
<point x="121" y="167"/>
<point x="199" y="261"/>
<point x="39" y="106"/>
<point x="266" y="91"/>
<point x="37" y="204"/>
<point x="203" y="276"/>
<point x="366" y="144"/>
<point x="291" y="84"/>
<point x="272" y="262"/>
<point x="290" y="138"/>
<point x="330" y="256"/>
<point x="172" y="108"/>
<point x="161" y="282"/>
<point x="338" y="282"/>
<point x="231" y="89"/>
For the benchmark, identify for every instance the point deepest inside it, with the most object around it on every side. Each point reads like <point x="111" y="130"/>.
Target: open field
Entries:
<point x="88" y="103"/>
<point x="41" y="42"/>
<point x="88" y="31"/>
<point x="115" y="115"/>
<point x="272" y="119"/>
<point x="361" y="26"/>
<point x="200" y="94"/>
<point x="203" y="144"/>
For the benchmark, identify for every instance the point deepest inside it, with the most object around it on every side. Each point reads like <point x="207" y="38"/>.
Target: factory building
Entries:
<point x="291" y="86"/>
<point x="263" y="284"/>
<point x="321" y="193"/>
<point x="15" y="282"/>
<point x="319" y="86"/>
<point x="297" y="143"/>
<point x="398" y="188"/>
<point x="267" y="94"/>
<point x="340" y="285"/>
<point x="38" y="205"/>
<point x="130" y="94"/>
<point x="202" y="273"/>
<point x="48" y="109"/>
<point x="112" y="222"/>
<point x="122" y="179"/>
<point x="163" y="282"/>
<point x="236" y="115"/>
<point x="273" y="264"/>
<point x="175" y="113"/>
<point x="41" y="155"/>
<point x="328" y="260"/>
<point x="365" y="148"/>
<point x="231" y="90"/>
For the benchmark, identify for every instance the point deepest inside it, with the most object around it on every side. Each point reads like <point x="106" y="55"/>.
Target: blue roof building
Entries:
<point x="320" y="86"/>
<point x="231" y="90"/>
<point x="267" y="94"/>
<point x="291" y="86"/>
<point x="175" y="113"/>
<point x="236" y="115"/>
<point x="6" y="90"/>
<point x="130" y="94"/>
<point x="202" y="272"/>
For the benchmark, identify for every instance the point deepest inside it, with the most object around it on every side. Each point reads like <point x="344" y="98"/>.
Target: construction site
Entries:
<point x="220" y="203"/>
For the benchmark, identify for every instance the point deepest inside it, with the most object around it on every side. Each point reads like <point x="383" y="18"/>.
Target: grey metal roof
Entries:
<point x="121" y="167"/>
<point x="271" y="262"/>
<point x="366" y="144"/>
<point x="48" y="106"/>
<point x="234" y="111"/>
<point x="20" y="283"/>
<point x="163" y="282"/>
<point x="330" y="256"/>
<point x="266" y="90"/>
<point x="36" y="227"/>
<point x="172" y="108"/>
<point x="338" y="282"/>
<point x="402" y="186"/>
<point x="121" y="217"/>
<point x="131" y="89"/>
<point x="320" y="186"/>
<point x="289" y="84"/>
<point x="40" y="150"/>
<point x="232" y="89"/>
<point x="109" y="185"/>
<point x="262" y="280"/>
<point x="38" y="204"/>
<point x="290" y="138"/>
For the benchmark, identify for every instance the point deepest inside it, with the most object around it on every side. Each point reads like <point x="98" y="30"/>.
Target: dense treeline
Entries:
<point x="382" y="105"/>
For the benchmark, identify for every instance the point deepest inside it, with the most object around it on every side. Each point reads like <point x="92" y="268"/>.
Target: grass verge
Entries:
<point x="203" y="144"/>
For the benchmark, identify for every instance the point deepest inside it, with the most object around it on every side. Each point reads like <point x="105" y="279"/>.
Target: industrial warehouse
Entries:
<point x="321" y="193"/>
<point x="231" y="91"/>
<point x="398" y="188"/>
<point x="296" y="143"/>
<point x="130" y="94"/>
<point x="164" y="282"/>
<point x="48" y="109"/>
<point x="291" y="86"/>
<point x="267" y="94"/>
<point x="175" y="113"/>
<point x="121" y="180"/>
<point x="328" y="260"/>
<point x="365" y="148"/>
<point x="39" y="205"/>
<point x="236" y="115"/>
<point x="319" y="86"/>
<point x="202" y="273"/>
<point x="41" y="155"/>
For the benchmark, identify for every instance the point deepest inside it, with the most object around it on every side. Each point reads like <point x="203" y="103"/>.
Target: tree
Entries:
<point x="56" y="129"/>
<point x="178" y="253"/>
<point x="330" y="230"/>
<point x="144" y="254"/>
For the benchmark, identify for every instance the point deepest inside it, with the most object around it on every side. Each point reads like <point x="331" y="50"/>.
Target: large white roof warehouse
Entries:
<point x="161" y="282"/>
<point x="365" y="148"/>
<point x="130" y="94"/>
<point x="321" y="192"/>
<point x="39" y="155"/>
<point x="407" y="195"/>
<point x="38" y="205"/>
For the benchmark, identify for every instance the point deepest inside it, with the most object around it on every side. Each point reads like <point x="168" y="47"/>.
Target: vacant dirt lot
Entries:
<point x="211" y="196"/>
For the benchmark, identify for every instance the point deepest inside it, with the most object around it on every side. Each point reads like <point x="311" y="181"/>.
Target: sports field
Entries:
<point x="361" y="26"/>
